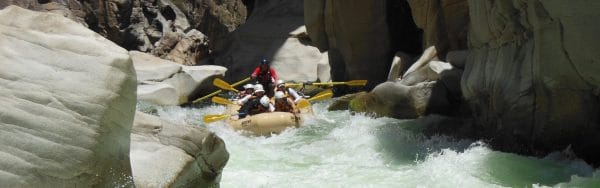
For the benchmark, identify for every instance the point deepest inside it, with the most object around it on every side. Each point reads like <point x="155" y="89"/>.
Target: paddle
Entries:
<point x="220" y="100"/>
<point x="223" y="85"/>
<point x="348" y="83"/>
<point x="219" y="91"/>
<point x="216" y="117"/>
<point x="319" y="96"/>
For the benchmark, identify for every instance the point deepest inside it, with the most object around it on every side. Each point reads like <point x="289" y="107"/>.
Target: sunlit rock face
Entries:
<point x="164" y="82"/>
<point x="532" y="74"/>
<point x="67" y="98"/>
<point x="165" y="154"/>
<point x="275" y="32"/>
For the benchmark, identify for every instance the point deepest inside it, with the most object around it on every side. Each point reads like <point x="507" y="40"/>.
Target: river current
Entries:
<point x="340" y="149"/>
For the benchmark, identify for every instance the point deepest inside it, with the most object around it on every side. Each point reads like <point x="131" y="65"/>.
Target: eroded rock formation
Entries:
<point x="530" y="70"/>
<point x="145" y="25"/>
<point x="532" y="75"/>
<point x="67" y="107"/>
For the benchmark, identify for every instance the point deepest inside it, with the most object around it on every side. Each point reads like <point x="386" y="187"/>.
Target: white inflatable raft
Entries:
<point x="265" y="124"/>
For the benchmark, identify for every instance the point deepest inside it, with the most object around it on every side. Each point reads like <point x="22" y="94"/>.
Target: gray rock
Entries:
<point x="347" y="30"/>
<point x="186" y="49"/>
<point x="164" y="154"/>
<point x="164" y="82"/>
<point x="457" y="58"/>
<point x="531" y="75"/>
<point x="68" y="101"/>
<point x="445" y="23"/>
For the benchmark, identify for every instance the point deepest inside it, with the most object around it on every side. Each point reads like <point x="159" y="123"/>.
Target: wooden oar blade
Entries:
<point x="223" y="85"/>
<point x="327" y="94"/>
<point x="357" y="83"/>
<point x="220" y="100"/>
<point x="214" y="117"/>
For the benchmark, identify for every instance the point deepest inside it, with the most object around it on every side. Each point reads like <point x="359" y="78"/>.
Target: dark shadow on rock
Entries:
<point x="205" y="87"/>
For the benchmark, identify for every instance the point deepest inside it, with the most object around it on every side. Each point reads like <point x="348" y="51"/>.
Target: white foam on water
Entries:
<point x="337" y="149"/>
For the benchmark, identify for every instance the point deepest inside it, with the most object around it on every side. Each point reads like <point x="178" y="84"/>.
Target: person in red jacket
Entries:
<point x="266" y="76"/>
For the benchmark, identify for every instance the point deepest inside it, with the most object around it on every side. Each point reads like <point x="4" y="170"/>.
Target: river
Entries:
<point x="340" y="149"/>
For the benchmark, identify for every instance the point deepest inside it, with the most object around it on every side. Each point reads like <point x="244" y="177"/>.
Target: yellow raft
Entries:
<point x="265" y="124"/>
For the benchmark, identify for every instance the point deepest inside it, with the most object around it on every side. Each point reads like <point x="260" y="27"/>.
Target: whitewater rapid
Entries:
<point x="339" y="149"/>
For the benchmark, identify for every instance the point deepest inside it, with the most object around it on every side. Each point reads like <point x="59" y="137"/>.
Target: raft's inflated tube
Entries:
<point x="265" y="124"/>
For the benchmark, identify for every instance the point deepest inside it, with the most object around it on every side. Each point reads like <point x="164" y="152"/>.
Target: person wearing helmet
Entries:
<point x="265" y="75"/>
<point x="254" y="104"/>
<point x="283" y="103"/>
<point x="244" y="95"/>
<point x="288" y="92"/>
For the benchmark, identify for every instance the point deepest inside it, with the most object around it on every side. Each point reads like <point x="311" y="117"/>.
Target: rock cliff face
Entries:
<point x="166" y="28"/>
<point x="363" y="36"/>
<point x="532" y="74"/>
<point x="530" y="67"/>
<point x="67" y="107"/>
<point x="356" y="35"/>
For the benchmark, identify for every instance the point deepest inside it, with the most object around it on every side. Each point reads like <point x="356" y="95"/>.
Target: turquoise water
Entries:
<point x="337" y="149"/>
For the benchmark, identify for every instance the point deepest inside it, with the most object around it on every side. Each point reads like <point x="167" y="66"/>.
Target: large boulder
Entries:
<point x="164" y="82"/>
<point x="273" y="32"/>
<point x="427" y="87"/>
<point x="164" y="154"/>
<point x="68" y="101"/>
<point x="532" y="75"/>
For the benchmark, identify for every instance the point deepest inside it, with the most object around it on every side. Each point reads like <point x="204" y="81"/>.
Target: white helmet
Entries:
<point x="280" y="82"/>
<point x="264" y="101"/>
<point x="279" y="95"/>
<point x="258" y="88"/>
<point x="248" y="86"/>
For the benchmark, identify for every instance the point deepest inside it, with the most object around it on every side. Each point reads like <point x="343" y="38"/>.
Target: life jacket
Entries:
<point x="282" y="105"/>
<point x="264" y="76"/>
<point x="258" y="108"/>
<point x="286" y="93"/>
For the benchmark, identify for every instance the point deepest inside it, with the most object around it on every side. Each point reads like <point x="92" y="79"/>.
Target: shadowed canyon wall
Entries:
<point x="531" y="72"/>
<point x="532" y="75"/>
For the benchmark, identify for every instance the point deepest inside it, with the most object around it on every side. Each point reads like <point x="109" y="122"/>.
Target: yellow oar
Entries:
<point x="215" y="117"/>
<point x="293" y="84"/>
<point x="319" y="96"/>
<point x="220" y="100"/>
<point x="223" y="85"/>
<point x="219" y="91"/>
<point x="348" y="83"/>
